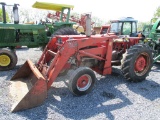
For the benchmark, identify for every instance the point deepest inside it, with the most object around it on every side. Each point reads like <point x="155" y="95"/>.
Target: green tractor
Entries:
<point x="30" y="35"/>
<point x="152" y="38"/>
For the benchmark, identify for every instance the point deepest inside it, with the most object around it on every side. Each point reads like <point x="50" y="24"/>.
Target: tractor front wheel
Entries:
<point x="137" y="62"/>
<point x="82" y="81"/>
<point x="8" y="59"/>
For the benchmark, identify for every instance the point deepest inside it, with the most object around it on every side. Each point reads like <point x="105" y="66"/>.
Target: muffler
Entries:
<point x="28" y="87"/>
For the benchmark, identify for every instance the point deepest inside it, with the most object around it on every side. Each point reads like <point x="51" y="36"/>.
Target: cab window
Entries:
<point x="126" y="28"/>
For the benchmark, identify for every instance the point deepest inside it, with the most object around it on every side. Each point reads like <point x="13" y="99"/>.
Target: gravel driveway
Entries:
<point x="113" y="98"/>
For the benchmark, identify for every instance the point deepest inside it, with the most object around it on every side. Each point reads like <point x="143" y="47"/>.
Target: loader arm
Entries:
<point x="73" y="48"/>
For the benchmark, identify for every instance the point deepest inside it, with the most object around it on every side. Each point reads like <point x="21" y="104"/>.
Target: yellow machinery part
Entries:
<point x="4" y="60"/>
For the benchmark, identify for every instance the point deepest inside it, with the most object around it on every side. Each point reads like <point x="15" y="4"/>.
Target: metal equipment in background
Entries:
<point x="30" y="35"/>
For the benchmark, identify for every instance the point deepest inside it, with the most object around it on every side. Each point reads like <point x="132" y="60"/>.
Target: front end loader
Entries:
<point x="83" y="54"/>
<point x="31" y="82"/>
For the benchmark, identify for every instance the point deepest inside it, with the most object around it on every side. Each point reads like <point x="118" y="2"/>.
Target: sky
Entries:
<point x="142" y="10"/>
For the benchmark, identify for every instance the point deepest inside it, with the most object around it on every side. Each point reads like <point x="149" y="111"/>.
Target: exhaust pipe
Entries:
<point x="4" y="11"/>
<point x="15" y="13"/>
<point x="88" y="25"/>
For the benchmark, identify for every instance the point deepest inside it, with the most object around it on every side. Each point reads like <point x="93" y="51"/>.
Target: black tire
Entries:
<point x="7" y="55"/>
<point x="136" y="63"/>
<point x="65" y="31"/>
<point x="81" y="81"/>
<point x="62" y="31"/>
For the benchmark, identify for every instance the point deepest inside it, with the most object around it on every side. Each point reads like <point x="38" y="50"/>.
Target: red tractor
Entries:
<point x="84" y="54"/>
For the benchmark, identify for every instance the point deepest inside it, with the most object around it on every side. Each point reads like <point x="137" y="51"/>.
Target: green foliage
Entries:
<point x="141" y="25"/>
<point x="152" y="21"/>
<point x="157" y="13"/>
<point x="1" y="16"/>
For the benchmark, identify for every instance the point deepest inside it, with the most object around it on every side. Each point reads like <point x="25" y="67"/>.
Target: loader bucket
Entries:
<point x="28" y="87"/>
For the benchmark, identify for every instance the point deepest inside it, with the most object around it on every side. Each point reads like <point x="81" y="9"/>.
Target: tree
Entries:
<point x="157" y="13"/>
<point x="1" y="16"/>
<point x="141" y="25"/>
<point x="97" y="22"/>
<point x="32" y="15"/>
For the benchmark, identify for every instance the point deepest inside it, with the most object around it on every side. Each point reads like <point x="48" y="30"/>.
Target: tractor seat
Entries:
<point x="133" y="35"/>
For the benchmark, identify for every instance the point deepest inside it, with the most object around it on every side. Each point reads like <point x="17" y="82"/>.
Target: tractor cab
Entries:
<point x="124" y="27"/>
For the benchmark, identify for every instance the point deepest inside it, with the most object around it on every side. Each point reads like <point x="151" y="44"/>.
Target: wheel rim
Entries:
<point x="84" y="82"/>
<point x="4" y="60"/>
<point x="142" y="64"/>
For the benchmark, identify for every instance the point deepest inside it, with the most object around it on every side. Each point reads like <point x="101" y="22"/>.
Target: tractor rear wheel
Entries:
<point x="8" y="59"/>
<point x="81" y="81"/>
<point x="137" y="62"/>
<point x="65" y="31"/>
